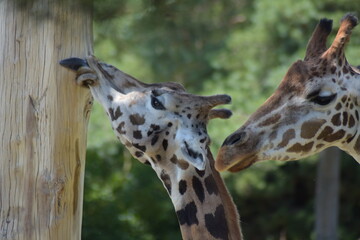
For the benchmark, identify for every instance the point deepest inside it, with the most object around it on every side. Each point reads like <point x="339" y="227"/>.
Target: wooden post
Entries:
<point x="327" y="194"/>
<point x="43" y="119"/>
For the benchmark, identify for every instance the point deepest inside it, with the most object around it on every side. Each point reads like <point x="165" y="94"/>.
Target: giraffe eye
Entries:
<point x="321" y="99"/>
<point x="156" y="103"/>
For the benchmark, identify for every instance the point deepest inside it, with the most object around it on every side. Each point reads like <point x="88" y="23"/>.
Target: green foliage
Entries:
<point x="241" y="48"/>
<point x="282" y="197"/>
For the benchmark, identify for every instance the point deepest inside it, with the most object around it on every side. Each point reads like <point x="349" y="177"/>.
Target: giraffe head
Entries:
<point x="315" y="106"/>
<point x="164" y="126"/>
<point x="154" y="121"/>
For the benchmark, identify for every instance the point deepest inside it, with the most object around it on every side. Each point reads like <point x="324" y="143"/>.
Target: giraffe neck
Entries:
<point x="203" y="205"/>
<point x="353" y="147"/>
<point x="351" y="142"/>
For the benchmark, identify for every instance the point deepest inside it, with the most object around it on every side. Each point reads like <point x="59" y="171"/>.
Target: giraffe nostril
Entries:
<point x="236" y="138"/>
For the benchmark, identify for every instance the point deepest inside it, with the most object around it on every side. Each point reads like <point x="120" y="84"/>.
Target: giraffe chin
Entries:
<point x="224" y="162"/>
<point x="243" y="164"/>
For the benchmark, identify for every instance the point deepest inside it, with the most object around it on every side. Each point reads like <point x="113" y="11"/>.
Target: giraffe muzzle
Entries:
<point x="238" y="151"/>
<point x="85" y="75"/>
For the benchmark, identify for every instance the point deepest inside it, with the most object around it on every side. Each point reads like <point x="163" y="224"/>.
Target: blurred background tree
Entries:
<point x="239" y="47"/>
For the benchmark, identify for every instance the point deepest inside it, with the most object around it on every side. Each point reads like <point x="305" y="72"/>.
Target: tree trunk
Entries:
<point x="327" y="194"/>
<point x="43" y="116"/>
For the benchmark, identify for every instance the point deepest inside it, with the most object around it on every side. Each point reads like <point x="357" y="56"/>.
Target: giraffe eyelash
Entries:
<point x="315" y="97"/>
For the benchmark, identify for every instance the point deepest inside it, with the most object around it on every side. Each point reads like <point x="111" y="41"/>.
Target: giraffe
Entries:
<point x="164" y="126"/>
<point x="315" y="106"/>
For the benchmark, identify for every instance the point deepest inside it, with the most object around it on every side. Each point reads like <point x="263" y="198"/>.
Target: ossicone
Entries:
<point x="317" y="43"/>
<point x="336" y="50"/>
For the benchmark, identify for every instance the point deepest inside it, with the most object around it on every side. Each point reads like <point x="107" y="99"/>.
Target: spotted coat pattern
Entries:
<point x="315" y="106"/>
<point x="164" y="126"/>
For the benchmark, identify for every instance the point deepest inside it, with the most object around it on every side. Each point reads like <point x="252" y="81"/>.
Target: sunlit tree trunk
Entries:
<point x="43" y="119"/>
<point x="327" y="194"/>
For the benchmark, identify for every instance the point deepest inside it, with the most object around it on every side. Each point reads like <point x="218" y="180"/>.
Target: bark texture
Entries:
<point x="43" y="119"/>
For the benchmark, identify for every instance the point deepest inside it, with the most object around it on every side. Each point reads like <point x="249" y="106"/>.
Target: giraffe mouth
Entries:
<point x="233" y="162"/>
<point x="243" y="163"/>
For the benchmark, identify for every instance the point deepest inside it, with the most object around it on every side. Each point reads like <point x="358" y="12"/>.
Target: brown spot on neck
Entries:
<point x="216" y="223"/>
<point x="338" y="106"/>
<point x="165" y="178"/>
<point x="343" y="99"/>
<point x="319" y="146"/>
<point x="335" y="136"/>
<point x="351" y="121"/>
<point x="336" y="119"/>
<point x="297" y="147"/>
<point x="327" y="130"/>
<point x="345" y="118"/>
<point x="179" y="162"/>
